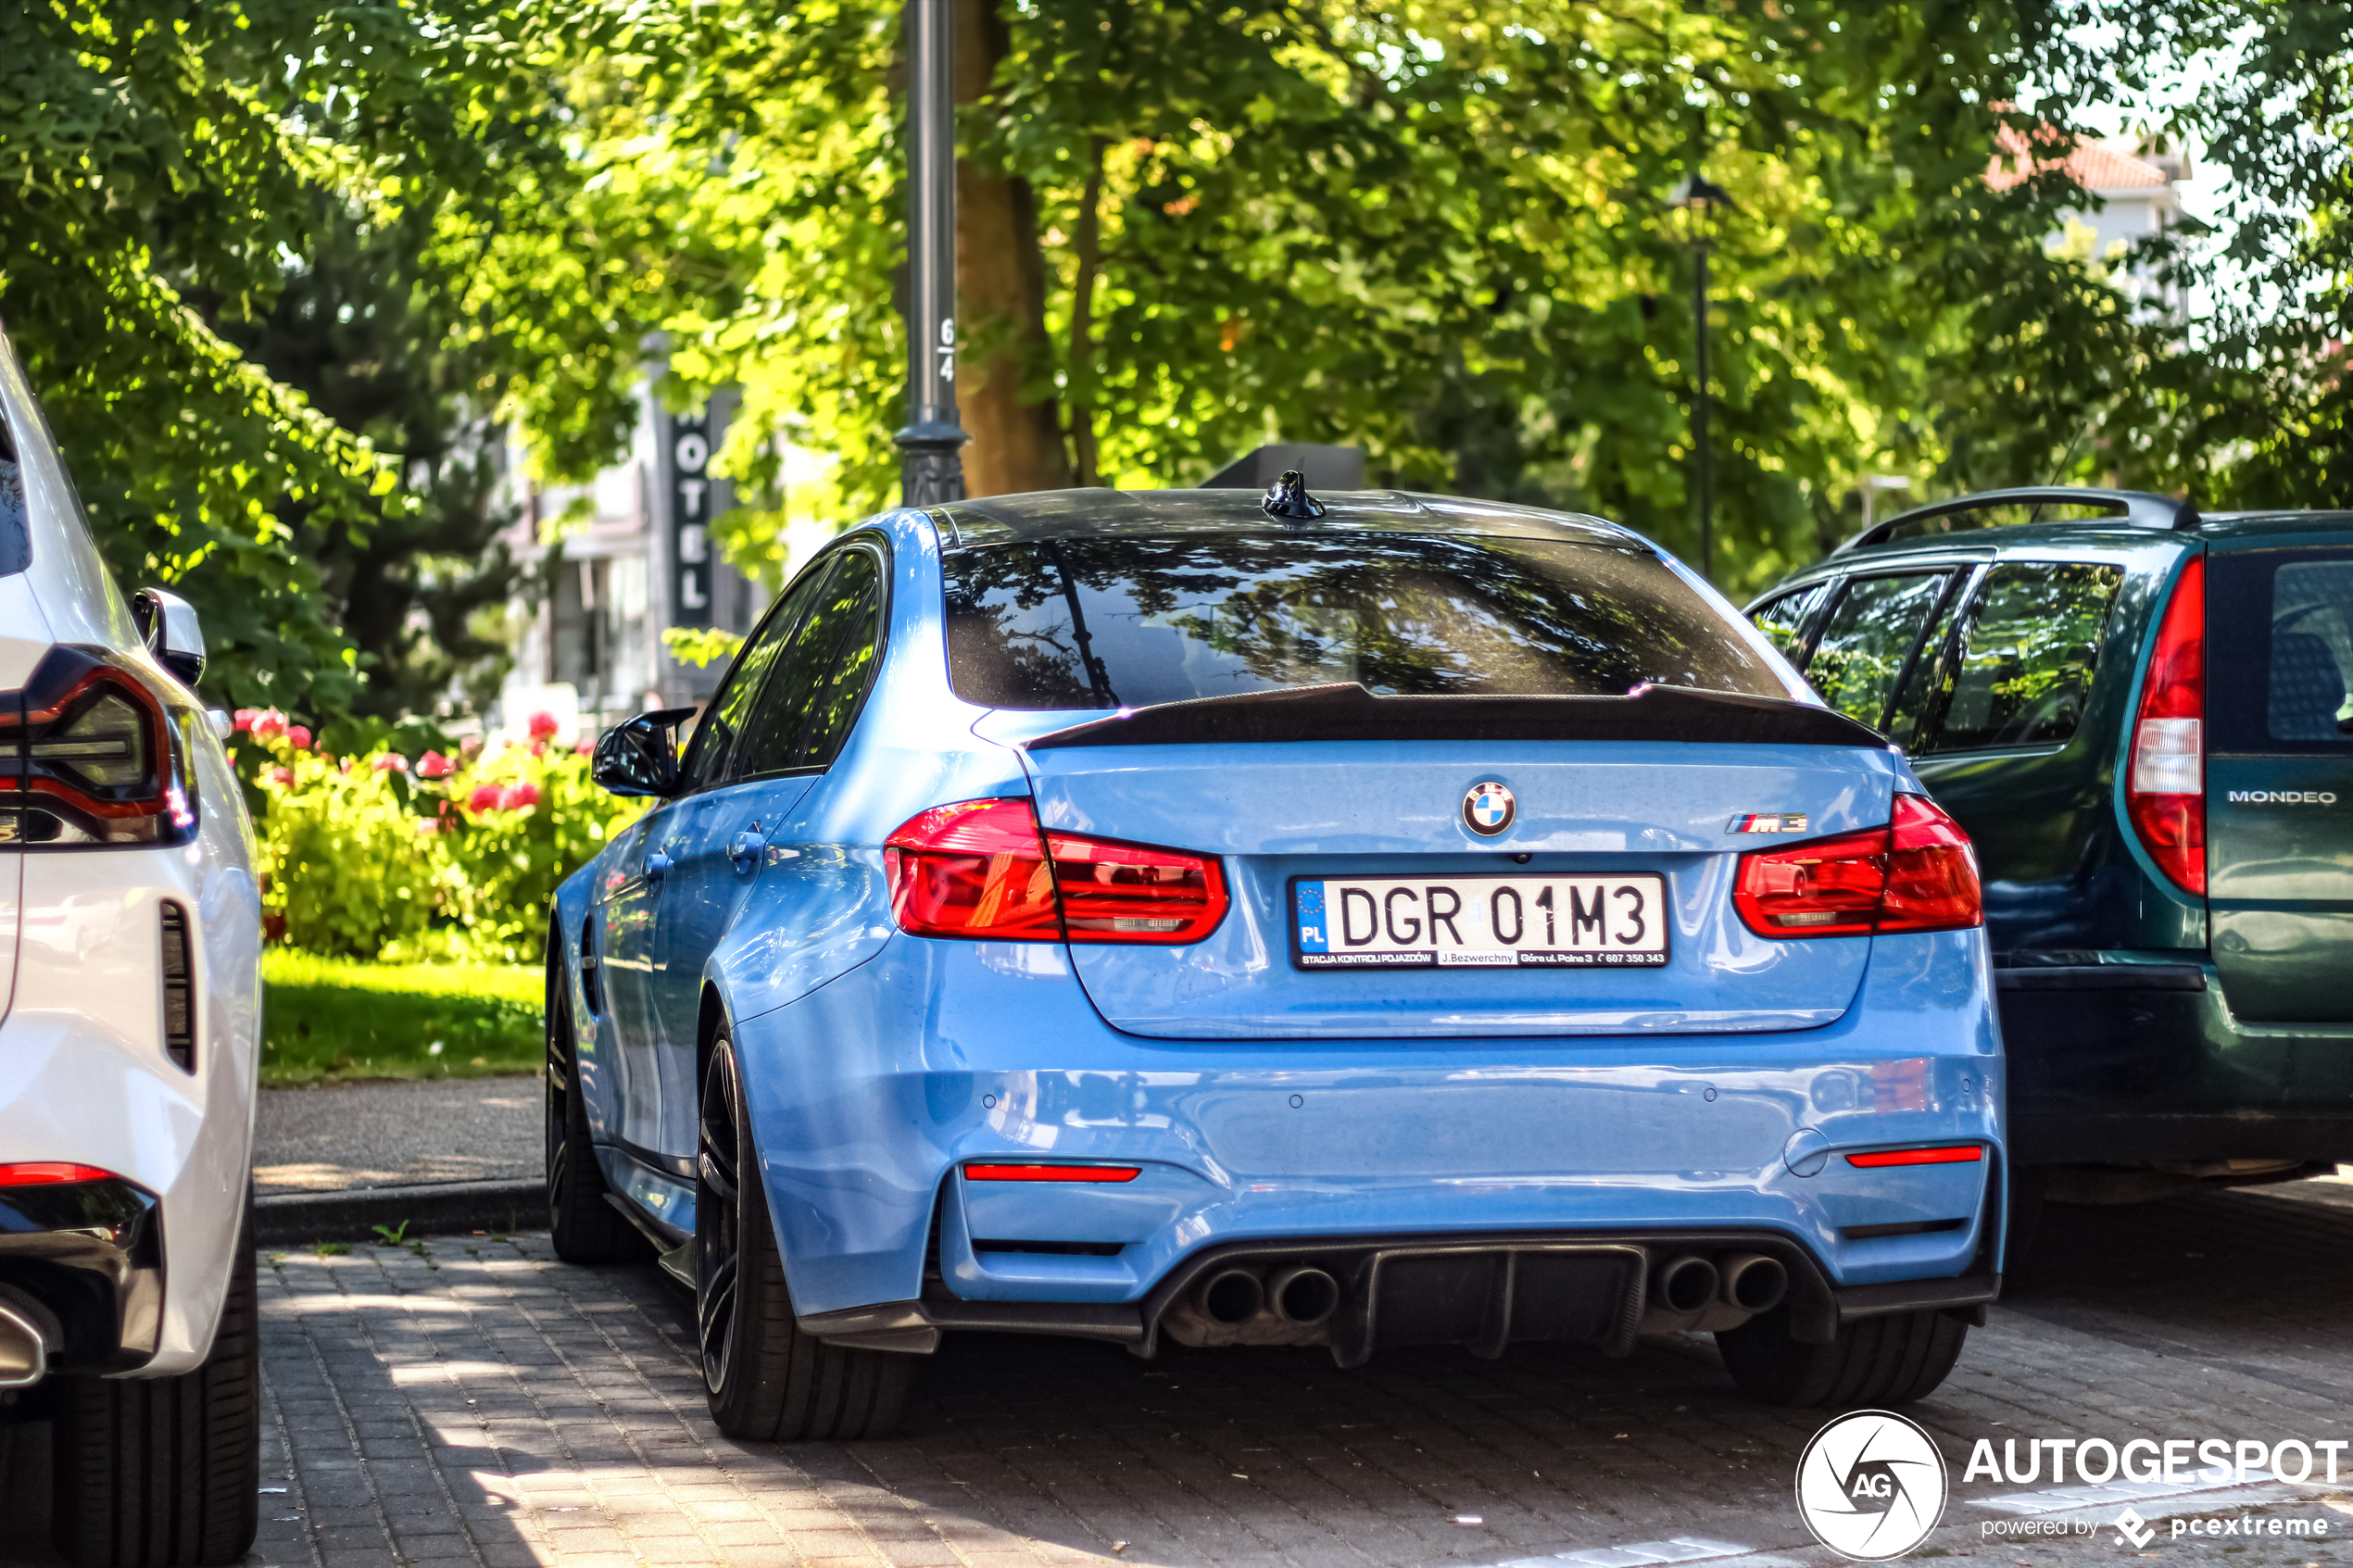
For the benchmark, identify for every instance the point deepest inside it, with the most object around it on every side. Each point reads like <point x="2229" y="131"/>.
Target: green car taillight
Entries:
<point x="2165" y="789"/>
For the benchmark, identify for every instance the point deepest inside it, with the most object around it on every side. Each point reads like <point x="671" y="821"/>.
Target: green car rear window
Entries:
<point x="2279" y="651"/>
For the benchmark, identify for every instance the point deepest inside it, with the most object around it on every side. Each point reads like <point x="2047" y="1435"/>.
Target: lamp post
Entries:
<point x="1698" y="197"/>
<point x="931" y="446"/>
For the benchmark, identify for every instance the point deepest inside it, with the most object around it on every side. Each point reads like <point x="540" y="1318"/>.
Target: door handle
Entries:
<point x="656" y="865"/>
<point x="744" y="850"/>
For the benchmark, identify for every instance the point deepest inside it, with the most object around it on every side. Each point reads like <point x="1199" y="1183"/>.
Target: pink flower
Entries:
<point x="470" y="746"/>
<point x="392" y="762"/>
<point x="586" y="748"/>
<point x="434" y="765"/>
<point x="281" y="776"/>
<point x="484" y="798"/>
<point x="521" y="797"/>
<point x="244" y="718"/>
<point x="298" y="738"/>
<point x="269" y="724"/>
<point x="543" y="726"/>
<point x="539" y="748"/>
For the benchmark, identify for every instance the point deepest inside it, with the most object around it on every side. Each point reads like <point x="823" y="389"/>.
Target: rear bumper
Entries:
<point x="2135" y="1062"/>
<point x="1485" y="1292"/>
<point x="84" y="1077"/>
<point x="868" y="1096"/>
<point x="81" y="1266"/>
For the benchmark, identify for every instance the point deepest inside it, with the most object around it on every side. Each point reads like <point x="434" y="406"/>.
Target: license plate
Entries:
<point x="1479" y="921"/>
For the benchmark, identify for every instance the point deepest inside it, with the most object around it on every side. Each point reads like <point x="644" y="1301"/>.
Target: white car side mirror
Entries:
<point x="167" y="622"/>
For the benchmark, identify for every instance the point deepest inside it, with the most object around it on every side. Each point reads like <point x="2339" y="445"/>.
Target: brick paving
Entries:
<point x="468" y="1400"/>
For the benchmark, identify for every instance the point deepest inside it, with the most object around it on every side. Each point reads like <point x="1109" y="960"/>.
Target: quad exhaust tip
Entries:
<point x="1684" y="1283"/>
<point x="1754" y="1282"/>
<point x="1304" y="1296"/>
<point x="1231" y="1297"/>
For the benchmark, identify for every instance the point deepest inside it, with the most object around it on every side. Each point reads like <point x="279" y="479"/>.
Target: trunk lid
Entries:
<point x="1390" y="812"/>
<point x="2279" y="780"/>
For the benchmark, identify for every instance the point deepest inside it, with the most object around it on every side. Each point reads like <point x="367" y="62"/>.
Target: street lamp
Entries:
<point x="1701" y="197"/>
<point x="931" y="467"/>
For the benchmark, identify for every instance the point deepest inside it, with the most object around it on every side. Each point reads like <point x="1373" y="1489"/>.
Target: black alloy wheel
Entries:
<point x="768" y="1381"/>
<point x="585" y="1227"/>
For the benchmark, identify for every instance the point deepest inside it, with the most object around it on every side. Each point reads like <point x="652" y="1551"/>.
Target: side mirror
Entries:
<point x="167" y="625"/>
<point x="640" y="755"/>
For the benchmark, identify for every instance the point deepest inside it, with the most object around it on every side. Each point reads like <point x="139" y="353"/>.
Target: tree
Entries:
<point x="1431" y="228"/>
<point x="180" y="180"/>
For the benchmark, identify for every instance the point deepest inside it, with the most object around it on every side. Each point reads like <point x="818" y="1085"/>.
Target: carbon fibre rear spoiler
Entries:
<point x="1347" y="712"/>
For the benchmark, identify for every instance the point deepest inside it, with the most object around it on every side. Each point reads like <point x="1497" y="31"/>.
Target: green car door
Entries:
<point x="2279" y="787"/>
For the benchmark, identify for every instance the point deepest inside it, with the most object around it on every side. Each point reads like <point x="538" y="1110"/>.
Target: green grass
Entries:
<point x="329" y="1020"/>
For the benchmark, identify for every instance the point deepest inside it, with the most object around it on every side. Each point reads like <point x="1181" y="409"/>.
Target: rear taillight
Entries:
<point x="92" y="757"/>
<point x="981" y="1171"/>
<point x="2165" y="788"/>
<point x="984" y="868"/>
<point x="1916" y="873"/>
<point x="49" y="1172"/>
<point x="1943" y="1154"/>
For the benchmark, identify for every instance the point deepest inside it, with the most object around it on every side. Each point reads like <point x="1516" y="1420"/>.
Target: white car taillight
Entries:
<point x="93" y="755"/>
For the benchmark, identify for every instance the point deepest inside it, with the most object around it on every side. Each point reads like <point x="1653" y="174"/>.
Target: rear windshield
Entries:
<point x="2279" y="647"/>
<point x="1114" y="622"/>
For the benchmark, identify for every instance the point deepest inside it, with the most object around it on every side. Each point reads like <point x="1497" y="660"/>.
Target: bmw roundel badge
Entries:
<point x="1488" y="808"/>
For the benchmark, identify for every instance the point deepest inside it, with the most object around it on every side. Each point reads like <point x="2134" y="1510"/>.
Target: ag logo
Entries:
<point x="1488" y="808"/>
<point x="1870" y="1486"/>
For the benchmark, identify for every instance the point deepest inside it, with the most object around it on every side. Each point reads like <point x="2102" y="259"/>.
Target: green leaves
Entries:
<point x="1434" y="229"/>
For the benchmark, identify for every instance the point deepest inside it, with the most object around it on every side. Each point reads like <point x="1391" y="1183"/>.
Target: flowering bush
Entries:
<point x="376" y="857"/>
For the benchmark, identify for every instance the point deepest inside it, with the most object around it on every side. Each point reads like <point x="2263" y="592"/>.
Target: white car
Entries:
<point x="130" y="1037"/>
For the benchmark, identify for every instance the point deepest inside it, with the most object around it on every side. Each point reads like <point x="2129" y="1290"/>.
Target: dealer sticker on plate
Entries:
<point x="1480" y="921"/>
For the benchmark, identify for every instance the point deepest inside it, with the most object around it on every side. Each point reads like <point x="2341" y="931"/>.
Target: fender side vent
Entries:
<point x="179" y="989"/>
<point x="590" y="991"/>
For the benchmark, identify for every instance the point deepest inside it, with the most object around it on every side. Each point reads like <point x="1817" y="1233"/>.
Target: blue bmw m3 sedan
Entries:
<point x="1356" y="921"/>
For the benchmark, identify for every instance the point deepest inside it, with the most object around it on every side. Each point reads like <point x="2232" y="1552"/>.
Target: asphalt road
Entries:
<point x="389" y="1133"/>
<point x="474" y="1402"/>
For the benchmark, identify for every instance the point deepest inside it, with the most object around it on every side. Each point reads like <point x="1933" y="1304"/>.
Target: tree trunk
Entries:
<point x="1000" y="300"/>
<point x="1089" y="243"/>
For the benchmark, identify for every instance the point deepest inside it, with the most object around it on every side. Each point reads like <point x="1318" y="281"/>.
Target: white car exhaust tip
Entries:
<point x="24" y="1348"/>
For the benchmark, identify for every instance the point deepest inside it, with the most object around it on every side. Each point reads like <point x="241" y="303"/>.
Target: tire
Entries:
<point x="162" y="1472"/>
<point x="1873" y="1363"/>
<point x="768" y="1381"/>
<point x="585" y="1227"/>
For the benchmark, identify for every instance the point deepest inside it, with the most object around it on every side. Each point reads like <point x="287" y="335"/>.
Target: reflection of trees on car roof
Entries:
<point x="1147" y="620"/>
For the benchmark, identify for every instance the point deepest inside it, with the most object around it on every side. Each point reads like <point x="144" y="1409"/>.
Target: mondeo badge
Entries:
<point x="1488" y="809"/>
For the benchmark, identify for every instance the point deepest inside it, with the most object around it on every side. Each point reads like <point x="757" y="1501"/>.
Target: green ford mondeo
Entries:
<point x="2144" y="718"/>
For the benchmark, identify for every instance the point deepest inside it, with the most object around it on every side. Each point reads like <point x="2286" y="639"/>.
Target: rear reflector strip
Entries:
<point x="49" y="1172"/>
<point x="1957" y="1154"/>
<point x="1052" y="1172"/>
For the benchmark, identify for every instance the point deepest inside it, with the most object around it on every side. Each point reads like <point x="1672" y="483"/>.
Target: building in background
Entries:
<point x="632" y="556"/>
<point x="2140" y="197"/>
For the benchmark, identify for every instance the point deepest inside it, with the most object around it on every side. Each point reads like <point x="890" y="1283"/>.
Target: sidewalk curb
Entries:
<point x="437" y="1208"/>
